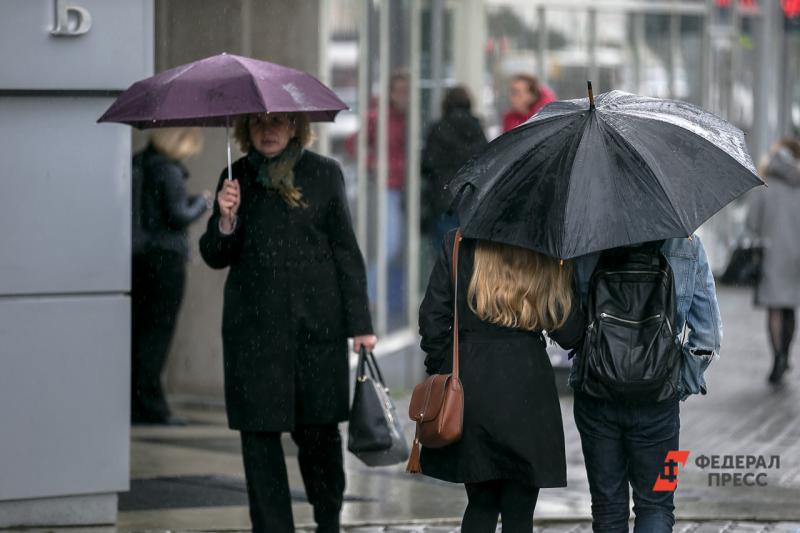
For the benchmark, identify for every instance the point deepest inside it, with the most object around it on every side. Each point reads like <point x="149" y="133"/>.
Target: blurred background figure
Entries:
<point x="526" y="96"/>
<point x="450" y="143"/>
<point x="162" y="211"/>
<point x="774" y="217"/>
<point x="394" y="235"/>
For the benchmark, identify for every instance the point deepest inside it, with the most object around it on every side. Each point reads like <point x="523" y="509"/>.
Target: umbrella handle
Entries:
<point x="591" y="95"/>
<point x="228" y="141"/>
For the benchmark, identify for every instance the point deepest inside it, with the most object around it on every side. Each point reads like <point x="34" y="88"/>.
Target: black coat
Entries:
<point x="162" y="209"/>
<point x="450" y="143"/>
<point x="512" y="417"/>
<point x="295" y="291"/>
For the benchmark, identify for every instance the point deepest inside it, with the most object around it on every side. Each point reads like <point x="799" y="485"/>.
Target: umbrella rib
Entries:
<point x="633" y="149"/>
<point x="252" y="80"/>
<point x="712" y="146"/>
<point x="659" y="117"/>
<point x="170" y="87"/>
<point x="569" y="188"/>
<point x="518" y="129"/>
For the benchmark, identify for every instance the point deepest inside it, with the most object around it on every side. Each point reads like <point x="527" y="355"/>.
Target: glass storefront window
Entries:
<point x="368" y="66"/>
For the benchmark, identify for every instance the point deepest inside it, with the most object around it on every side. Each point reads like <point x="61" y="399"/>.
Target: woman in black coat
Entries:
<point x="513" y="440"/>
<point x="162" y="212"/>
<point x="451" y="141"/>
<point x="295" y="292"/>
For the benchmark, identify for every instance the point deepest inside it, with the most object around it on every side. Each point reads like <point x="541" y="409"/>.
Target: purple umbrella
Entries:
<point x="210" y="91"/>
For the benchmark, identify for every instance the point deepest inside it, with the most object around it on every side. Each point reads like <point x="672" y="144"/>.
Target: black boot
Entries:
<point x="779" y="367"/>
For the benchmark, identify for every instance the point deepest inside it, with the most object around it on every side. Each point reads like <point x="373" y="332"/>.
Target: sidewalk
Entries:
<point x="190" y="478"/>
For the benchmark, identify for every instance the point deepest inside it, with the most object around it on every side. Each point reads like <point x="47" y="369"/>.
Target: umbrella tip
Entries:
<point x="591" y="94"/>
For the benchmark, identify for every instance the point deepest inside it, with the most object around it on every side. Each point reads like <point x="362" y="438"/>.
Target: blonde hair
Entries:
<point x="519" y="288"/>
<point x="300" y="122"/>
<point x="177" y="143"/>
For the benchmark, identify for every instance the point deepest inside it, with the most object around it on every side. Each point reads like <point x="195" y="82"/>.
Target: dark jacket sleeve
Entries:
<point x="349" y="261"/>
<point x="429" y="153"/>
<point x="436" y="311"/>
<point x="570" y="335"/>
<point x="217" y="249"/>
<point x="429" y="183"/>
<point x="180" y="208"/>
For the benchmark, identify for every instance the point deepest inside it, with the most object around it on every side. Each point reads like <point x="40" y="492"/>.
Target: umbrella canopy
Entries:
<point x="576" y="178"/>
<point x="210" y="91"/>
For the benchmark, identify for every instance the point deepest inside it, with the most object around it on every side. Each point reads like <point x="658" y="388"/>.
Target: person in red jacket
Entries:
<point x="527" y="96"/>
<point x="398" y="107"/>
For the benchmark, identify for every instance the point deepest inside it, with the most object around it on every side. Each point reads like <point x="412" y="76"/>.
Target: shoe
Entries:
<point x="779" y="367"/>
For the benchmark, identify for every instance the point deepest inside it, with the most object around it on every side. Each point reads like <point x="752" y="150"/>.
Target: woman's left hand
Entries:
<point x="367" y="341"/>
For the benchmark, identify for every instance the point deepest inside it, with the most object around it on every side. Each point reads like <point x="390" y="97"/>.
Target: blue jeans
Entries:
<point x="394" y="236"/>
<point x="626" y="445"/>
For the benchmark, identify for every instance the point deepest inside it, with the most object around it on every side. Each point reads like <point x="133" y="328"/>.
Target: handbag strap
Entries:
<point x="456" y="244"/>
<point x="375" y="370"/>
<point x="368" y="367"/>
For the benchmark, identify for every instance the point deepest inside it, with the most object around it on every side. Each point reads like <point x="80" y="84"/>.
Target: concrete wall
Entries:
<point x="281" y="31"/>
<point x="65" y="261"/>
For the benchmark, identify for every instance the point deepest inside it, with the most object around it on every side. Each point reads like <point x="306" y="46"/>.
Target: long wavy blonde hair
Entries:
<point x="519" y="288"/>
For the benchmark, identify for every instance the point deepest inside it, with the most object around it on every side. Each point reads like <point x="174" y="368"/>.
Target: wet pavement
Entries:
<point x="190" y="478"/>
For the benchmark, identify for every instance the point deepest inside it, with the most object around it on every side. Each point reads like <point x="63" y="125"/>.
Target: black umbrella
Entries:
<point x="578" y="178"/>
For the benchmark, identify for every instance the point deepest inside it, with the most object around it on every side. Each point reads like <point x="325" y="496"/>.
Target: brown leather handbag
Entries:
<point x="437" y="404"/>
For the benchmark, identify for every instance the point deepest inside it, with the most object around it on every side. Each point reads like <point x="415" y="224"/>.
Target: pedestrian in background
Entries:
<point x="512" y="442"/>
<point x="162" y="212"/>
<point x="527" y="95"/>
<point x="296" y="290"/>
<point x="451" y="141"/>
<point x="394" y="234"/>
<point x="774" y="218"/>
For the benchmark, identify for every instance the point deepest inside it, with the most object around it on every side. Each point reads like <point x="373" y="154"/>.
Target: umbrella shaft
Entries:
<point x="228" y="142"/>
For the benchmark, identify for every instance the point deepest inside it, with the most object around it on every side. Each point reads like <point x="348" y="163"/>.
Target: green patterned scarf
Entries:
<point x="277" y="173"/>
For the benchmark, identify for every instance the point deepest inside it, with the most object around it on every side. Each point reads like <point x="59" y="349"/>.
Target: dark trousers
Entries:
<point x="156" y="294"/>
<point x="626" y="445"/>
<point x="512" y="500"/>
<point x="321" y="465"/>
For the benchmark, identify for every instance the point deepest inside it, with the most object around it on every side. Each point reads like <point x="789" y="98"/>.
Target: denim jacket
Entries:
<point x="697" y="309"/>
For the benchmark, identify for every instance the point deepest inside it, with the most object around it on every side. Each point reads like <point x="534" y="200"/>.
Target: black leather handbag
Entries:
<point x="374" y="434"/>
<point x="744" y="267"/>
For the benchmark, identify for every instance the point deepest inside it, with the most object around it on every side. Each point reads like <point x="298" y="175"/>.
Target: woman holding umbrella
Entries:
<point x="295" y="291"/>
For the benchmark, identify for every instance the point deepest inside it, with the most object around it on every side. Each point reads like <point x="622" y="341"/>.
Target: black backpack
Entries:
<point x="629" y="353"/>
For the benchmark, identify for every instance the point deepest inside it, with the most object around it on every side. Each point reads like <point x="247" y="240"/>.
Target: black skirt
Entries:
<point x="512" y="417"/>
